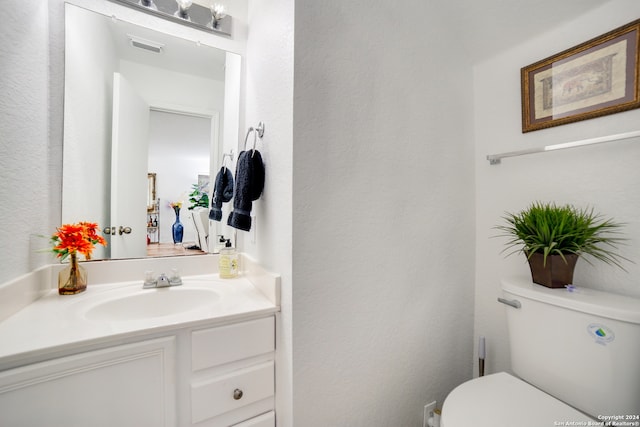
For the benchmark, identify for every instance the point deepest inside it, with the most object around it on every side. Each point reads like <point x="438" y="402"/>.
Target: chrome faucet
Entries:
<point x="162" y="281"/>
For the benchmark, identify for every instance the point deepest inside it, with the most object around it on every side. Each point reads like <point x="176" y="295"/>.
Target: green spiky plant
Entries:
<point x="548" y="229"/>
<point x="198" y="198"/>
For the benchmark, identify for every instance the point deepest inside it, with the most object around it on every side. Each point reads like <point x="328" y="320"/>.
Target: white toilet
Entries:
<point x="576" y="356"/>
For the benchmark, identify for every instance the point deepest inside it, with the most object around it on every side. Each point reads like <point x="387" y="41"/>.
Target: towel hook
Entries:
<point x="246" y="138"/>
<point x="258" y="132"/>
<point x="260" y="129"/>
<point x="230" y="155"/>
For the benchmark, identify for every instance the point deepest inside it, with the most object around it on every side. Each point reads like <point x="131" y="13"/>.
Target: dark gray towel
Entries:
<point x="222" y="193"/>
<point x="249" y="186"/>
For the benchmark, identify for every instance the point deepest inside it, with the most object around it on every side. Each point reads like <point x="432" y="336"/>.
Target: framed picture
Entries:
<point x="593" y="79"/>
<point x="151" y="192"/>
<point x="203" y="183"/>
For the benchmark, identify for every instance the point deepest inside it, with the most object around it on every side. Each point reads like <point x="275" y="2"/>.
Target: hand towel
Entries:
<point x="249" y="186"/>
<point x="222" y="193"/>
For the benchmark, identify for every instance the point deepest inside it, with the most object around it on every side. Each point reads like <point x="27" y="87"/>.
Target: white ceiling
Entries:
<point x="490" y="26"/>
<point x="179" y="55"/>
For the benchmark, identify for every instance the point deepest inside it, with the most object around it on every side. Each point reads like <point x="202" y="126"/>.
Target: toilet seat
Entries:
<point x="502" y="400"/>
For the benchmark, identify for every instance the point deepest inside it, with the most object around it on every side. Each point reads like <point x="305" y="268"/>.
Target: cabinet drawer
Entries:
<point x="215" y="346"/>
<point x="264" y="420"/>
<point x="229" y="392"/>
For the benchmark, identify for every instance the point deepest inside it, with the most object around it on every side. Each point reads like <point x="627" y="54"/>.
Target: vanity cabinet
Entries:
<point x="264" y="420"/>
<point x="233" y="374"/>
<point x="205" y="376"/>
<point x="124" y="385"/>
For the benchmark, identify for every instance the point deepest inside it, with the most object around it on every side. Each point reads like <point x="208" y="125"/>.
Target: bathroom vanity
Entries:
<point x="198" y="354"/>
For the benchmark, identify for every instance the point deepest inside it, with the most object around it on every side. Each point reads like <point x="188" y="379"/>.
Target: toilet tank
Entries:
<point x="582" y="347"/>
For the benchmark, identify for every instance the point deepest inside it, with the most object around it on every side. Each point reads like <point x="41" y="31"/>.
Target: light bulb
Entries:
<point x="217" y="11"/>
<point x="183" y="6"/>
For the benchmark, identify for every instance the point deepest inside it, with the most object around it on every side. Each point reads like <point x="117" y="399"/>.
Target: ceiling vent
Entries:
<point x="148" y="45"/>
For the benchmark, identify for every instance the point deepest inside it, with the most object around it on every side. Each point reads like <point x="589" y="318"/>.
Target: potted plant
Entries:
<point x="198" y="198"/>
<point x="553" y="237"/>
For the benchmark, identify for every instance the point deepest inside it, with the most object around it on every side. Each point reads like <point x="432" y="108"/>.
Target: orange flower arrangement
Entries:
<point x="71" y="239"/>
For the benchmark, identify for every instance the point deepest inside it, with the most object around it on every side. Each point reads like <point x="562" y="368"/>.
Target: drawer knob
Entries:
<point x="237" y="394"/>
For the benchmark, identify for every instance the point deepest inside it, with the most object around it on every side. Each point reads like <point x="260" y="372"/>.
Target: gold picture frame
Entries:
<point x="595" y="78"/>
<point x="151" y="192"/>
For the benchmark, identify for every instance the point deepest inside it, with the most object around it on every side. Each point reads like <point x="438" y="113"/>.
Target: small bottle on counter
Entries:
<point x="228" y="261"/>
<point x="220" y="243"/>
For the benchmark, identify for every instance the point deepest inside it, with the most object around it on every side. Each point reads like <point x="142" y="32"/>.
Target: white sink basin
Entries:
<point x="152" y="303"/>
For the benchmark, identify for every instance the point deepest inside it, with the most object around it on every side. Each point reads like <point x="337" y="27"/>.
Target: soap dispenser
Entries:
<point x="228" y="261"/>
<point x="220" y="243"/>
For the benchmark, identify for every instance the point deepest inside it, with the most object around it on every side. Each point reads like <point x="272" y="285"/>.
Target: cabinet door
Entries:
<point x="129" y="385"/>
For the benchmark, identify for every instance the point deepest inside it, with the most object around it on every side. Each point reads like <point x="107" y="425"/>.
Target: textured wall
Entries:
<point x="27" y="181"/>
<point x="382" y="214"/>
<point x="605" y="176"/>
<point x="269" y="98"/>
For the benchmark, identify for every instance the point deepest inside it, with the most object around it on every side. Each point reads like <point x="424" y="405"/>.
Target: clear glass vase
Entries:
<point x="73" y="278"/>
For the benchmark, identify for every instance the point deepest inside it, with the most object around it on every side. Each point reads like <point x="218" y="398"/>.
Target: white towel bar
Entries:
<point x="494" y="159"/>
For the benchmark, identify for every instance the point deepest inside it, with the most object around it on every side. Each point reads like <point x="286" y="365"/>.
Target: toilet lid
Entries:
<point x="502" y="400"/>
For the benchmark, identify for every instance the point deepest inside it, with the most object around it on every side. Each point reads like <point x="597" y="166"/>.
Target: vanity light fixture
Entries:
<point x="212" y="19"/>
<point x="183" y="8"/>
<point x="145" y="44"/>
<point x="149" y="3"/>
<point x="217" y="14"/>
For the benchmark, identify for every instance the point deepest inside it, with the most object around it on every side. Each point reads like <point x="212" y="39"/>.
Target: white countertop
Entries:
<point x="58" y="323"/>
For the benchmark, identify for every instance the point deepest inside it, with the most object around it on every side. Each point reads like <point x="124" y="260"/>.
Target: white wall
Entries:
<point x="269" y="98"/>
<point x="605" y="177"/>
<point x="28" y="172"/>
<point x="383" y="213"/>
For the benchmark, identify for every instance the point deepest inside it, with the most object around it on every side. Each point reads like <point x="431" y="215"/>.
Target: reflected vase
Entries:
<point x="73" y="278"/>
<point x="177" y="229"/>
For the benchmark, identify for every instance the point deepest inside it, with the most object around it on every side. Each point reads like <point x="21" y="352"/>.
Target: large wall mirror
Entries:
<point x="139" y="104"/>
